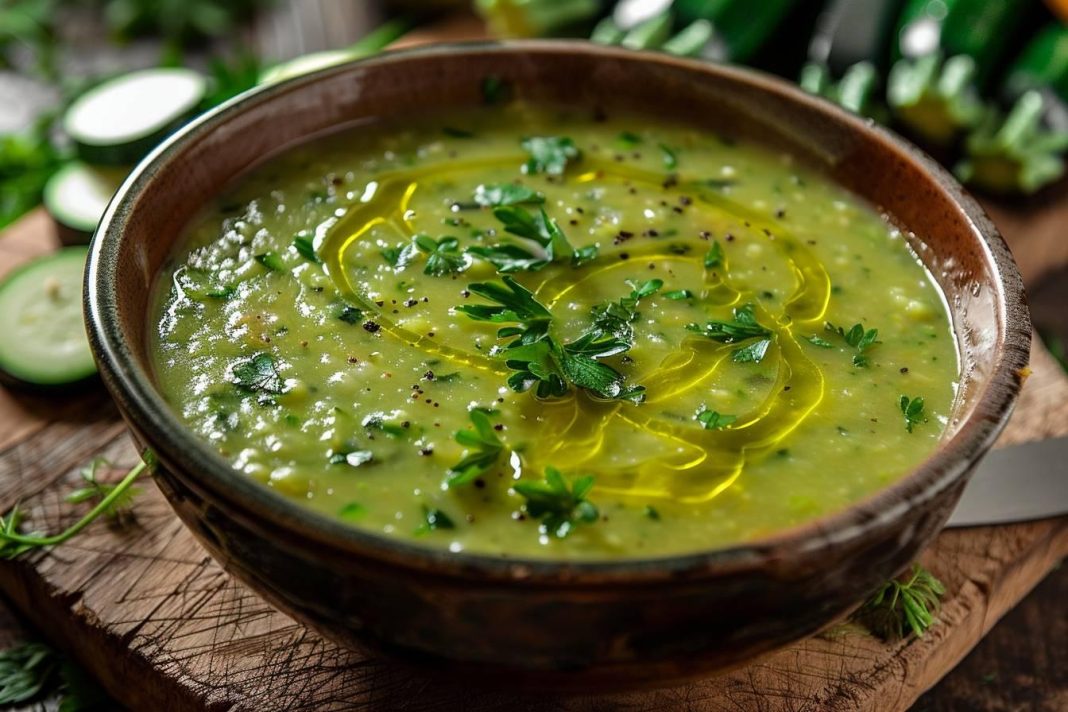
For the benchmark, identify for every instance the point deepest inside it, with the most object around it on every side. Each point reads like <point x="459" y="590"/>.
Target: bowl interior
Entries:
<point x="953" y="237"/>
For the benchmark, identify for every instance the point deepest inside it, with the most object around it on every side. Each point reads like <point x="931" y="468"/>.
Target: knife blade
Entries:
<point x="1016" y="484"/>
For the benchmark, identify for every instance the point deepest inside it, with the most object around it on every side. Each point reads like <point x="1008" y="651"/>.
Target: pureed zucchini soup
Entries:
<point x="531" y="332"/>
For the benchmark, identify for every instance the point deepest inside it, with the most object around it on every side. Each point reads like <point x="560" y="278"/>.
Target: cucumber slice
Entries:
<point x="119" y="121"/>
<point x="76" y="197"/>
<point x="44" y="342"/>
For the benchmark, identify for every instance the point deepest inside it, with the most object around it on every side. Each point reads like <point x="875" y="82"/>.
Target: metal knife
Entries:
<point x="1016" y="484"/>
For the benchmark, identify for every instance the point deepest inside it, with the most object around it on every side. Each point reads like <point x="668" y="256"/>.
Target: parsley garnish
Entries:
<point x="817" y="341"/>
<point x="651" y="513"/>
<point x="714" y="257"/>
<point x="671" y="161"/>
<point x="912" y="409"/>
<point x="516" y="303"/>
<point x="258" y="374"/>
<point x="443" y="256"/>
<point x="549" y="154"/>
<point x="744" y="326"/>
<point x="484" y="450"/>
<point x="617" y="318"/>
<point x="629" y="139"/>
<point x="304" y="244"/>
<point x="679" y="294"/>
<point x="559" y="507"/>
<point x="94" y="490"/>
<point x="859" y="339"/>
<point x="903" y="604"/>
<point x="434" y="519"/>
<point x="350" y="315"/>
<point x="498" y="194"/>
<point x="393" y="255"/>
<point x="271" y="261"/>
<point x="713" y="420"/>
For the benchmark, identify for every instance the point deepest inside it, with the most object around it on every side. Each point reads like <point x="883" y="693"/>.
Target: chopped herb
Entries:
<point x="903" y="605"/>
<point x="617" y="318"/>
<point x="497" y="194"/>
<point x="912" y="409"/>
<point x="457" y="133"/>
<point x="352" y="511"/>
<point x="24" y="671"/>
<point x="484" y="450"/>
<point x="393" y="255"/>
<point x="679" y="294"/>
<point x="350" y="315"/>
<point x="713" y="420"/>
<point x="354" y="458"/>
<point x="517" y="303"/>
<point x="96" y="491"/>
<point x="714" y="256"/>
<point x="305" y="245"/>
<point x="537" y="227"/>
<point x="257" y="374"/>
<point x="744" y="326"/>
<point x="671" y="161"/>
<point x="222" y="293"/>
<point x="859" y="339"/>
<point x="271" y="261"/>
<point x="752" y="353"/>
<point x="434" y="519"/>
<point x="629" y="139"/>
<point x="582" y="255"/>
<point x="549" y="154"/>
<point x="817" y="341"/>
<point x="651" y="513"/>
<point x="560" y="507"/>
<point x="442" y="256"/>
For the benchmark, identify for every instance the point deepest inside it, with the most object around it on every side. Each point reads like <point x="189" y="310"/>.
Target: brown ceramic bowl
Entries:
<point x="617" y="623"/>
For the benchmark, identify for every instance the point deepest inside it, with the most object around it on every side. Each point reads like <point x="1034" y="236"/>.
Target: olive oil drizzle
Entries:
<point x="696" y="464"/>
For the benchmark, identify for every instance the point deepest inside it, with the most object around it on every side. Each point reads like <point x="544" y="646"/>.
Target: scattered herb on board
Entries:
<point x="549" y="154"/>
<point x="856" y="336"/>
<point x="560" y="506"/>
<point x="912" y="409"/>
<point x="484" y="450"/>
<point x="742" y="327"/>
<point x="31" y="671"/>
<point x="903" y="605"/>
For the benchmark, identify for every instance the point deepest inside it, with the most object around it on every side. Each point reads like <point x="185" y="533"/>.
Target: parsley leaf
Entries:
<point x="560" y="506"/>
<point x="350" y="315"/>
<point x="271" y="261"/>
<point x="904" y="604"/>
<point x="434" y="519"/>
<point x="859" y="339"/>
<point x="714" y="259"/>
<point x="912" y="409"/>
<point x="442" y="256"/>
<point x="752" y="353"/>
<point x="742" y="327"/>
<point x="484" y="450"/>
<point x="304" y="244"/>
<point x="713" y="420"/>
<point x="257" y="374"/>
<point x="393" y="255"/>
<point x="629" y="139"/>
<point x="679" y="294"/>
<point x="539" y="228"/>
<point x="671" y="161"/>
<point x="817" y="341"/>
<point x="617" y="318"/>
<point x="549" y="154"/>
<point x="498" y="194"/>
<point x="516" y="303"/>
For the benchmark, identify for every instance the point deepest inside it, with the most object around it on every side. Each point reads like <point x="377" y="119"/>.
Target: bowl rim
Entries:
<point x="172" y="442"/>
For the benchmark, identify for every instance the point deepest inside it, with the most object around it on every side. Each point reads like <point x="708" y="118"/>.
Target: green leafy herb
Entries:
<point x="498" y="194"/>
<point x="560" y="506"/>
<point x="222" y="293"/>
<point x="393" y="255"/>
<point x="617" y="318"/>
<point x="434" y="519"/>
<point x="350" y="315"/>
<point x="679" y="294"/>
<point x="515" y="303"/>
<point x="912" y="409"/>
<point x="817" y="341"/>
<point x="485" y="450"/>
<point x="582" y="255"/>
<point x="352" y="511"/>
<point x="25" y="670"/>
<point x="744" y="326"/>
<point x="304" y="244"/>
<point x="651" y="513"/>
<point x="714" y="257"/>
<point x="27" y="161"/>
<point x="629" y="139"/>
<point x="859" y="339"/>
<point x="13" y="543"/>
<point x="671" y="161"/>
<point x="271" y="261"/>
<point x="539" y="228"/>
<point x="442" y="256"/>
<point x="97" y="491"/>
<point x="713" y="420"/>
<point x="752" y="353"/>
<point x="903" y="605"/>
<point x="232" y="76"/>
<point x="549" y="154"/>
<point x="257" y="374"/>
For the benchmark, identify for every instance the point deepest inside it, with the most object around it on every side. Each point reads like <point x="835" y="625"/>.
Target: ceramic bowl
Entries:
<point x="608" y="624"/>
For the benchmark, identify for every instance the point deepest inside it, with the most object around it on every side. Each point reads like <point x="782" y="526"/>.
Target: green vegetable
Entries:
<point x="549" y="154"/>
<point x="258" y="374"/>
<point x="272" y="261"/>
<point x="742" y="327"/>
<point x="434" y="519"/>
<point x="858" y="338"/>
<point x="912" y="409"/>
<point x="443" y="256"/>
<point x="496" y="195"/>
<point x="559" y="506"/>
<point x="903" y="605"/>
<point x="24" y="671"/>
<point x="94" y="490"/>
<point x="304" y="244"/>
<point x="485" y="450"/>
<point x="713" y="420"/>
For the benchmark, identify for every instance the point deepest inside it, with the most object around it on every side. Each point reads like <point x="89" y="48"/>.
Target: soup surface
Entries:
<point x="532" y="332"/>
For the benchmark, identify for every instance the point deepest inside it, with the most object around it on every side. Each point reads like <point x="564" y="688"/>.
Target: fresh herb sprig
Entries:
<point x="95" y="490"/>
<point x="714" y="420"/>
<point x="903" y="605"/>
<point x="494" y="195"/>
<point x="539" y="228"/>
<point x="860" y="339"/>
<point x="443" y="256"/>
<point x="13" y="543"/>
<point x="549" y="154"/>
<point x="560" y="506"/>
<point x="913" y="410"/>
<point x="617" y="318"/>
<point x="743" y="327"/>
<point x="484" y="450"/>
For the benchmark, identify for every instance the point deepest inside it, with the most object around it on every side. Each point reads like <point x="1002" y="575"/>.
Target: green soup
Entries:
<point x="544" y="333"/>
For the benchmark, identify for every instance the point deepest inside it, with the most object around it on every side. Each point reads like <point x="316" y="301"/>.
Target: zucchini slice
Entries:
<point x="119" y="121"/>
<point x="44" y="341"/>
<point x="374" y="41"/>
<point x="76" y="197"/>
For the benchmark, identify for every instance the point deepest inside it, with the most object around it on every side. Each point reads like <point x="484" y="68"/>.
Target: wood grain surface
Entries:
<point x="165" y="628"/>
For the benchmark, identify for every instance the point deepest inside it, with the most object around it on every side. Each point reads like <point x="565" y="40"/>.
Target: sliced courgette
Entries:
<point x="374" y="41"/>
<point x="76" y="196"/>
<point x="44" y="342"/>
<point x="1019" y="148"/>
<point x="947" y="50"/>
<point x="119" y="121"/>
